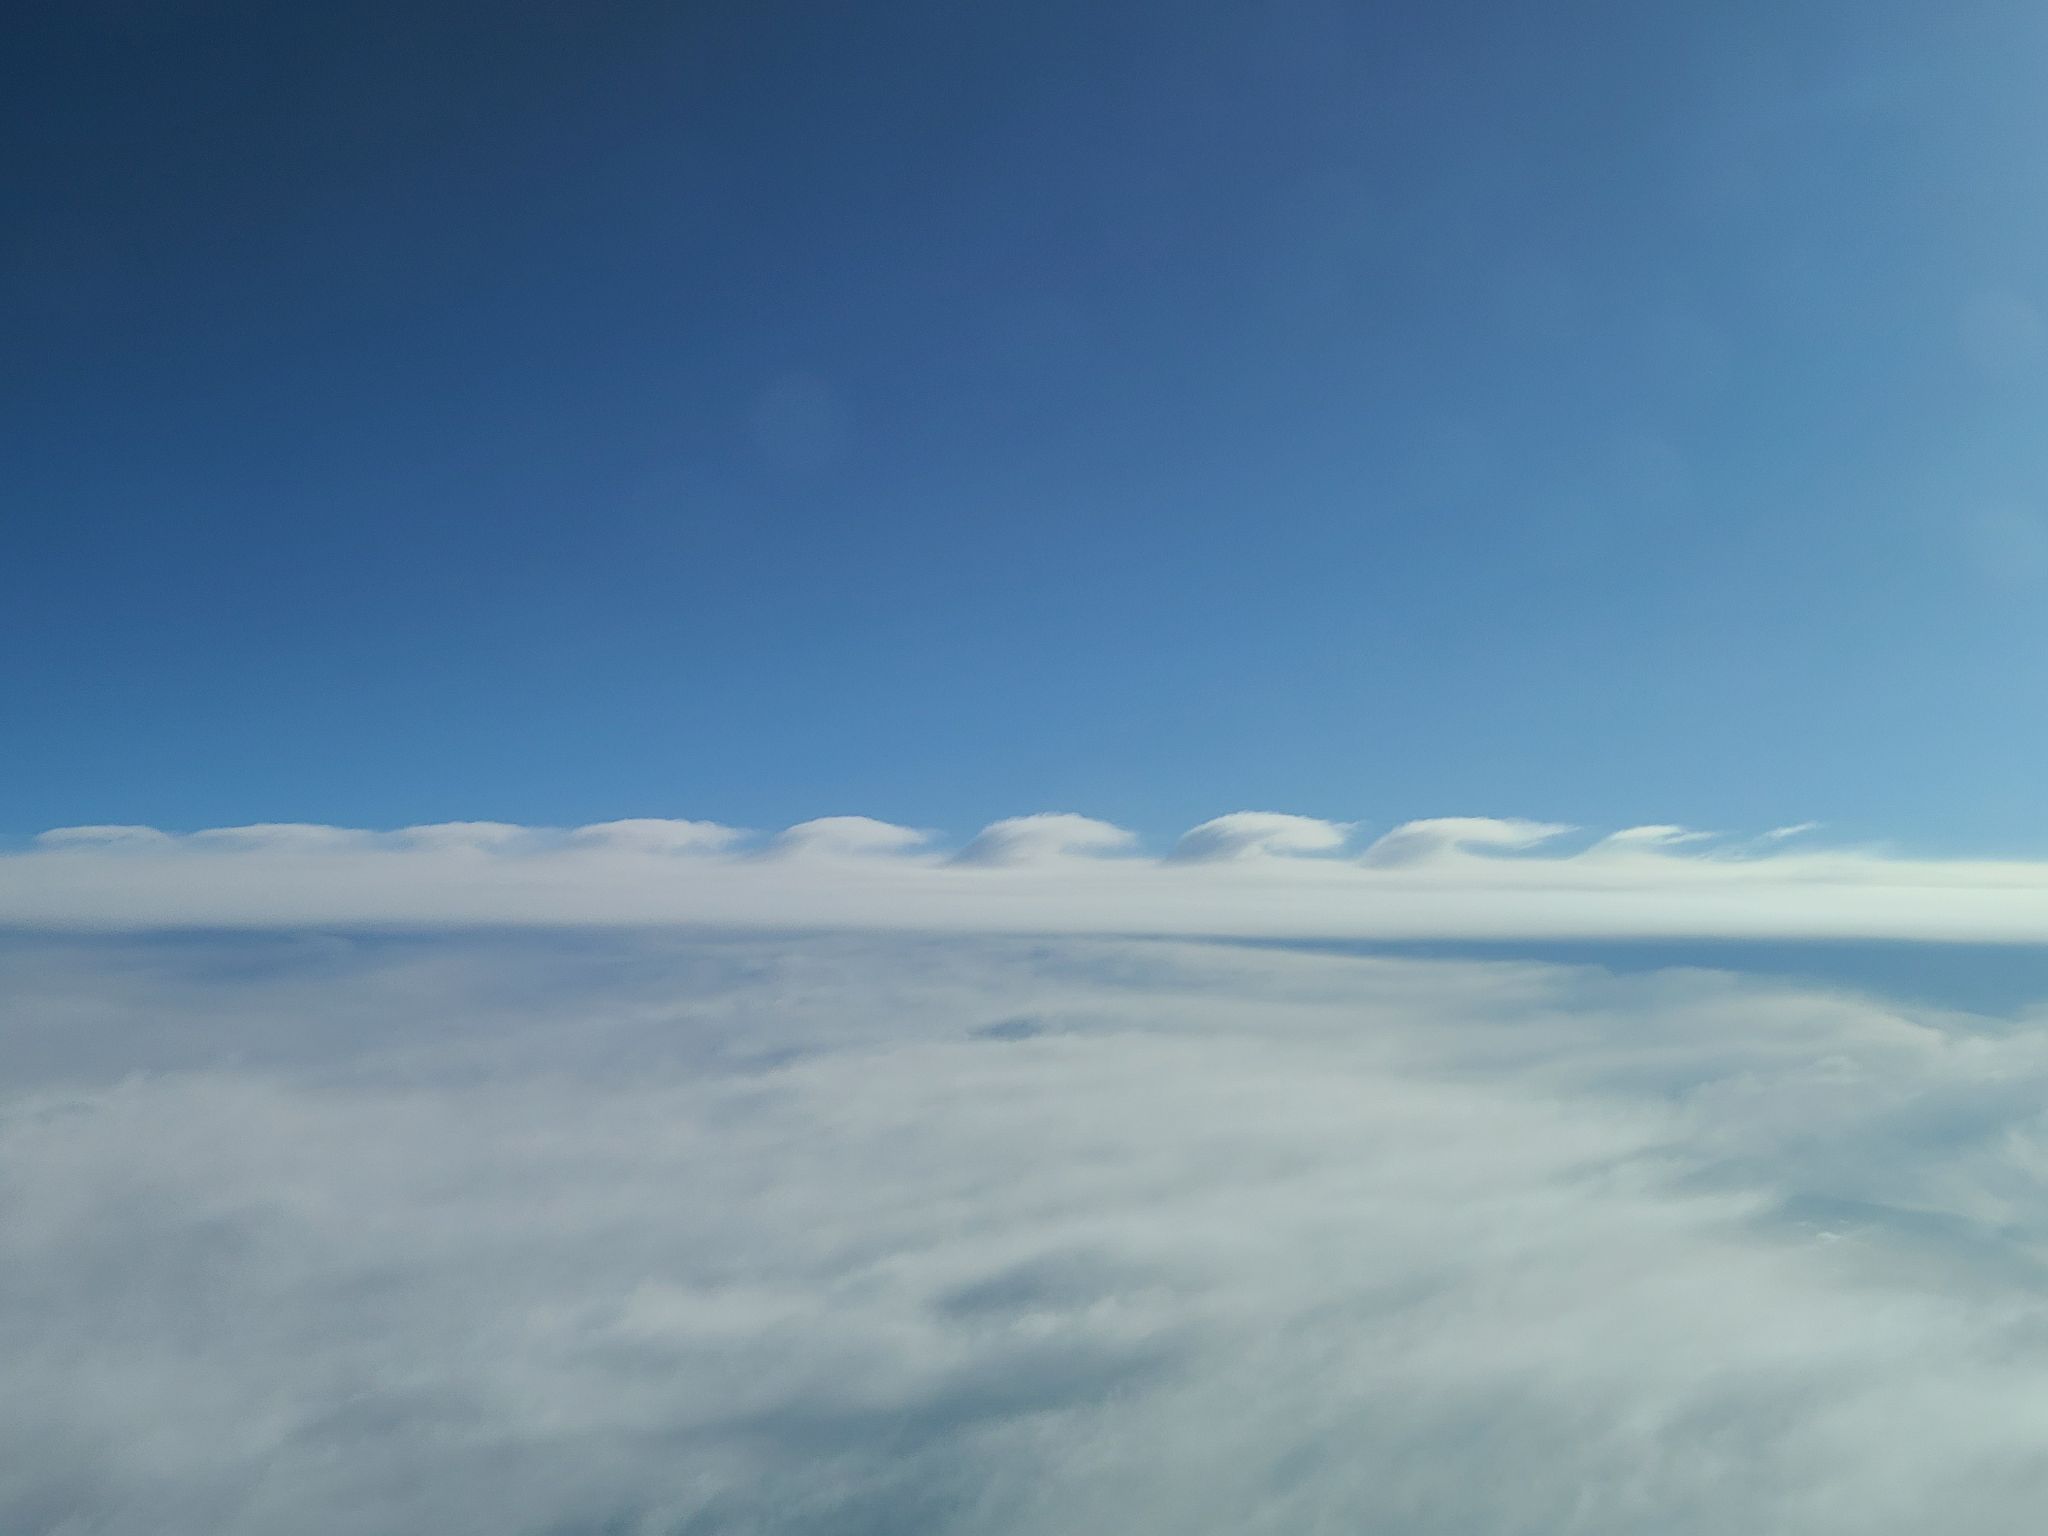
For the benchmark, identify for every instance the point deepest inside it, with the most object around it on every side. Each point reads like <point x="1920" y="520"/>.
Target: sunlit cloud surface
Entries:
<point x="1243" y="874"/>
<point x="633" y="1233"/>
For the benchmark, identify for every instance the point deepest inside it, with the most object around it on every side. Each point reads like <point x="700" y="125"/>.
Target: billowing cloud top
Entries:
<point x="1248" y="873"/>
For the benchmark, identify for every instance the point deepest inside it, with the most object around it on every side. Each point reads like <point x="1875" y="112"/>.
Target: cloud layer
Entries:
<point x="616" y="1233"/>
<point x="1247" y="874"/>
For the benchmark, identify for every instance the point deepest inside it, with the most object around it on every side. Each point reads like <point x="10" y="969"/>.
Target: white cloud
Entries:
<point x="1653" y="837"/>
<point x="1249" y="834"/>
<point x="848" y="836"/>
<point x="659" y="835"/>
<point x="1797" y="829"/>
<point x="1416" y="840"/>
<point x="123" y="836"/>
<point x="606" y="1233"/>
<point x="284" y="835"/>
<point x="465" y="834"/>
<point x="1049" y="834"/>
<point x="1248" y="874"/>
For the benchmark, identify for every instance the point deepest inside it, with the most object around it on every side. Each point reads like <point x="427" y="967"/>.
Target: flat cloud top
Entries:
<point x="1245" y="874"/>
<point x="550" y="1233"/>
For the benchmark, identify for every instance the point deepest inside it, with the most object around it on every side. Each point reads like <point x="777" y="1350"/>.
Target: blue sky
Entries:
<point x="758" y="412"/>
<point x="976" y="770"/>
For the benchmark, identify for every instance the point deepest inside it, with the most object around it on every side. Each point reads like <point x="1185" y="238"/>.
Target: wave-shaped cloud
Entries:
<point x="297" y="836"/>
<point x="847" y="837"/>
<point x="1253" y="834"/>
<point x="1049" y="834"/>
<point x="101" y="836"/>
<point x="1660" y="835"/>
<point x="1415" y="841"/>
<point x="1247" y="873"/>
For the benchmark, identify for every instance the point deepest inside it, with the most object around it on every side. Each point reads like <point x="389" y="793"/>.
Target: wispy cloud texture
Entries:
<point x="1048" y="835"/>
<point x="620" y="1233"/>
<point x="1251" y="834"/>
<point x="1246" y="874"/>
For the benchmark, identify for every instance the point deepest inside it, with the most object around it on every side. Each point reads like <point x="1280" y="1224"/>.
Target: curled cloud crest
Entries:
<point x="1652" y="838"/>
<point x="1254" y="834"/>
<point x="1415" y="841"/>
<point x="1048" y="835"/>
<point x="1248" y="874"/>
<point x="1797" y="829"/>
<point x="848" y="837"/>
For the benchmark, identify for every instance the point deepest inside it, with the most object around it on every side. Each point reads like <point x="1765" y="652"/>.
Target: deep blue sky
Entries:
<point x="1607" y="413"/>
